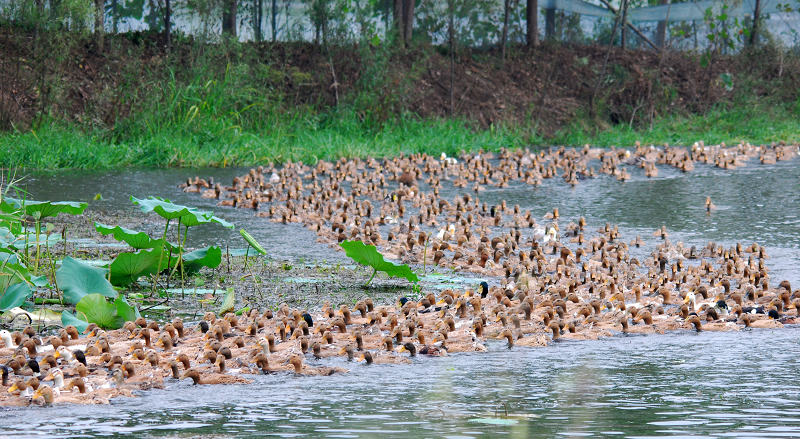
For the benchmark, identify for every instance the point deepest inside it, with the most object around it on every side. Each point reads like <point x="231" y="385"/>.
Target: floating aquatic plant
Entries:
<point x="76" y="280"/>
<point x="187" y="217"/>
<point x="126" y="268"/>
<point x="368" y="255"/>
<point x="14" y="296"/>
<point x="134" y="238"/>
<point x="39" y="210"/>
<point x="95" y="308"/>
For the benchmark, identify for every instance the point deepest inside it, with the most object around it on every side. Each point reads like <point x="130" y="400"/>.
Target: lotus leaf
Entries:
<point x="227" y="302"/>
<point x="368" y="255"/>
<point x="128" y="267"/>
<point x="67" y="318"/>
<point x="127" y="312"/>
<point x="14" y="296"/>
<point x="12" y="271"/>
<point x="189" y="216"/>
<point x="209" y="257"/>
<point x="252" y="241"/>
<point x="19" y="241"/>
<point x="11" y="274"/>
<point x="76" y="280"/>
<point x="44" y="208"/>
<point x="96" y="309"/>
<point x="135" y="239"/>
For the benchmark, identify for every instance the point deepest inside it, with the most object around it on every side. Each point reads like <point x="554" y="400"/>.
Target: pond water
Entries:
<point x="704" y="385"/>
<point x="674" y="385"/>
<point x="757" y="203"/>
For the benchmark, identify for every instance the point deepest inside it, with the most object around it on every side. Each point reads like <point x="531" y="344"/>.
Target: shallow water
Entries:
<point x="757" y="203"/>
<point x="674" y="385"/>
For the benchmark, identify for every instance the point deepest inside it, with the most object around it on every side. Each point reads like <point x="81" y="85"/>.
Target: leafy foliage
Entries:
<point x="42" y="209"/>
<point x="67" y="318"/>
<point x="252" y="241"/>
<point x="368" y="255"/>
<point x="128" y="267"/>
<point x="77" y="280"/>
<point x="189" y="216"/>
<point x="14" y="296"/>
<point x="125" y="311"/>
<point x="94" y="308"/>
<point x="209" y="257"/>
<point x="227" y="302"/>
<point x="133" y="238"/>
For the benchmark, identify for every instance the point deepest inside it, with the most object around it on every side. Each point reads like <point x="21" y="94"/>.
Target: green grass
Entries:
<point x="757" y="123"/>
<point x="59" y="146"/>
<point x="219" y="142"/>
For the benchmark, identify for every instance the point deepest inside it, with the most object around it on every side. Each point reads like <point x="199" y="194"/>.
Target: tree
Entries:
<point x="404" y="19"/>
<point x="756" y="19"/>
<point x="274" y="12"/>
<point x="258" y="16"/>
<point x="167" y="23"/>
<point x="504" y="37"/>
<point x="661" y="28"/>
<point x="99" y="23"/>
<point x="318" y="13"/>
<point x="229" y="18"/>
<point x="532" y="18"/>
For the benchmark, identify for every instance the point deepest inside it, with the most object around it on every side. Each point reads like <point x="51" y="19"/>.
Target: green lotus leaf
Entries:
<point x="14" y="296"/>
<point x="39" y="281"/>
<point x="368" y="255"/>
<point x="45" y="209"/>
<point x="252" y="241"/>
<point x="96" y="309"/>
<point x="19" y="241"/>
<point x="135" y="239"/>
<point x="227" y="302"/>
<point x="189" y="216"/>
<point x="67" y="318"/>
<point x="11" y="274"/>
<point x="76" y="280"/>
<point x="125" y="311"/>
<point x="126" y="268"/>
<point x="209" y="257"/>
<point x="12" y="271"/>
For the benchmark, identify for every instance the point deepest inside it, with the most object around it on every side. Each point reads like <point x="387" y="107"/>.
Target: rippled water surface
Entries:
<point x="757" y="203"/>
<point x="675" y="385"/>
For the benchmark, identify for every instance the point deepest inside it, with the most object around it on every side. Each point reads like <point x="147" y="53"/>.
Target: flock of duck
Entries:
<point x="544" y="282"/>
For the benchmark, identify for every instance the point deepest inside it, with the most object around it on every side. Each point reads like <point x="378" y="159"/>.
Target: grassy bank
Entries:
<point x="238" y="104"/>
<point x="54" y="145"/>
